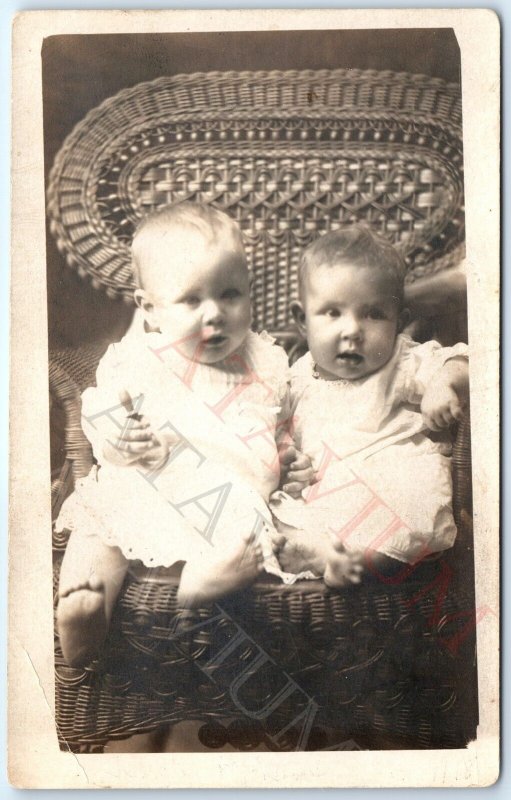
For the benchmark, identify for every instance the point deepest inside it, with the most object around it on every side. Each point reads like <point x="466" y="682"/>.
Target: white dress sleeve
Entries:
<point x="420" y="362"/>
<point x="103" y="415"/>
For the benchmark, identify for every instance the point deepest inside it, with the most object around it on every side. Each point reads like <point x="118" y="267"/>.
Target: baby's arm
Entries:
<point x="446" y="395"/>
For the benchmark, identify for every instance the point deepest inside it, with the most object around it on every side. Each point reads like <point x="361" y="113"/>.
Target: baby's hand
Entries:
<point x="440" y="406"/>
<point x="136" y="442"/>
<point x="296" y="471"/>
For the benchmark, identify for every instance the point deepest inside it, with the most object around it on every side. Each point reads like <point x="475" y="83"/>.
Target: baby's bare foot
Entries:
<point x="204" y="582"/>
<point x="342" y="568"/>
<point x="299" y="551"/>
<point x="81" y="621"/>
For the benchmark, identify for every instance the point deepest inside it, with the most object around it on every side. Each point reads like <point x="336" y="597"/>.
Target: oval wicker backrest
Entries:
<point x="290" y="155"/>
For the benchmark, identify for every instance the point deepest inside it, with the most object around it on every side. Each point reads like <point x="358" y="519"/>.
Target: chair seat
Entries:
<point x="283" y="662"/>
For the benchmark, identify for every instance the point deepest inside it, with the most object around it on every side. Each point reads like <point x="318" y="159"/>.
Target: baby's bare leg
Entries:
<point x="204" y="582"/>
<point x="91" y="577"/>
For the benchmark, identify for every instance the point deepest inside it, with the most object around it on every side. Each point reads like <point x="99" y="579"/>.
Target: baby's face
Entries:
<point x="197" y="293"/>
<point x="351" y="320"/>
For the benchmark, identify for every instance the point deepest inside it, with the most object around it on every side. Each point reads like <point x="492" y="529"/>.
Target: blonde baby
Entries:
<point x="175" y="420"/>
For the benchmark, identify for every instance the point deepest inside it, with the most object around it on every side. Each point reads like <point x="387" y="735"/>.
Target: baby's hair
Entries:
<point x="356" y="245"/>
<point x="207" y="220"/>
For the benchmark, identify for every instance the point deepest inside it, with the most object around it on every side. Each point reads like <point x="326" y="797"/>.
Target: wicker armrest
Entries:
<point x="462" y="472"/>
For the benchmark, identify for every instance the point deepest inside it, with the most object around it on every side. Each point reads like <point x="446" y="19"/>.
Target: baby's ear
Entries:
<point x="141" y="299"/>
<point x="403" y="320"/>
<point x="299" y="316"/>
<point x="146" y="305"/>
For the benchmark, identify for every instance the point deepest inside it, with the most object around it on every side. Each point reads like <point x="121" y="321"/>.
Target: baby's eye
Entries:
<point x="376" y="313"/>
<point x="231" y="294"/>
<point x="192" y="300"/>
<point x="333" y="313"/>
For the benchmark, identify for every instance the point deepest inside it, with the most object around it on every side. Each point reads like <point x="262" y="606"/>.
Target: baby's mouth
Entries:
<point x="214" y="341"/>
<point x="351" y="358"/>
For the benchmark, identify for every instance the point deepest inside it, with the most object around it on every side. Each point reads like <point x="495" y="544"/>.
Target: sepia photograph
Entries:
<point x="264" y="473"/>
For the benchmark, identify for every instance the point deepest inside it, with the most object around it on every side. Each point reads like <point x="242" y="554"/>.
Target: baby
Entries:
<point x="180" y="424"/>
<point x="364" y="400"/>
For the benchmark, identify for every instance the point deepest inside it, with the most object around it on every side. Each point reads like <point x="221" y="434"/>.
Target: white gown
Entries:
<point x="383" y="483"/>
<point x="221" y="422"/>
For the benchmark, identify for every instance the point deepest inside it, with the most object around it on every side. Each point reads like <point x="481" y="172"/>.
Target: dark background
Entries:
<point x="80" y="71"/>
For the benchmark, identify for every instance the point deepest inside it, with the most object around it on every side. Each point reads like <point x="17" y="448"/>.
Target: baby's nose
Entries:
<point x="351" y="328"/>
<point x="212" y="312"/>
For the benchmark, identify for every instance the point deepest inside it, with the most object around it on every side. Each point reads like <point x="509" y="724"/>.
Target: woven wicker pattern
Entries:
<point x="289" y="155"/>
<point x="374" y="660"/>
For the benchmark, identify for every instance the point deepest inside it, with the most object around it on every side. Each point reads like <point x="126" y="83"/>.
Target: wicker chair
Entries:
<point x="289" y="155"/>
